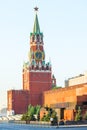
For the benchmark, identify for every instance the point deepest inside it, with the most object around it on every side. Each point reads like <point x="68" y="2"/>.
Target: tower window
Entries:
<point x="42" y="38"/>
<point x="47" y="68"/>
<point x="42" y="67"/>
<point x="37" y="38"/>
<point x="32" y="38"/>
<point x="37" y="67"/>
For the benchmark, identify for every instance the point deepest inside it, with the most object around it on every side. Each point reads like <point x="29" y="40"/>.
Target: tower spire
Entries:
<point x="36" y="28"/>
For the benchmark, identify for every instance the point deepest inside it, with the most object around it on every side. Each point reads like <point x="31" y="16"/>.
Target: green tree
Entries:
<point x="78" y="116"/>
<point x="46" y="117"/>
<point x="56" y="87"/>
<point x="32" y="110"/>
<point x="26" y="117"/>
<point x="51" y="114"/>
<point x="38" y="109"/>
<point x="54" y="116"/>
<point x="85" y="116"/>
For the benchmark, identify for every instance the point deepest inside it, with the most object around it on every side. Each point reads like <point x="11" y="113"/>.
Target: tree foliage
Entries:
<point x="56" y="87"/>
<point x="32" y="110"/>
<point x="85" y="116"/>
<point x="51" y="114"/>
<point x="78" y="116"/>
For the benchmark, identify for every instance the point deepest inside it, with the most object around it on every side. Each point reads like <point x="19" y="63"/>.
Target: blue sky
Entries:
<point x="64" y="25"/>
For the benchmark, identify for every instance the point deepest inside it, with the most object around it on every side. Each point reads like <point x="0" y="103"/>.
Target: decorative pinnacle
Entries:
<point x="36" y="8"/>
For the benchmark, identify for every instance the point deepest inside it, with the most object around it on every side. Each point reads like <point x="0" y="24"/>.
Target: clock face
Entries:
<point x="38" y="55"/>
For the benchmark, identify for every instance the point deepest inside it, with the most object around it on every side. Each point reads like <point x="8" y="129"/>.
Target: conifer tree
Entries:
<point x="78" y="116"/>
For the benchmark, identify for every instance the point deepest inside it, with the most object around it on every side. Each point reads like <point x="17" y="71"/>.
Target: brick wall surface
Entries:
<point x="18" y="101"/>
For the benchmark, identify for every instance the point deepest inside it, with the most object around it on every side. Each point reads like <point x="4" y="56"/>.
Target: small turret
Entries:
<point x="53" y="81"/>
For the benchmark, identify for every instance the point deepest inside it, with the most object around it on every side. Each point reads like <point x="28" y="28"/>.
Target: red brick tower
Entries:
<point x="36" y="73"/>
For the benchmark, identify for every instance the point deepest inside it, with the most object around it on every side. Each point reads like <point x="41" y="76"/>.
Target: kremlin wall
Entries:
<point x="38" y="81"/>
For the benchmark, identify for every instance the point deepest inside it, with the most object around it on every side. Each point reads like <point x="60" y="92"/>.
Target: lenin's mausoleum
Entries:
<point x="38" y="82"/>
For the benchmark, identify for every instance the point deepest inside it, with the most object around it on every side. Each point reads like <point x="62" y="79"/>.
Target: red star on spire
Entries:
<point x="36" y="8"/>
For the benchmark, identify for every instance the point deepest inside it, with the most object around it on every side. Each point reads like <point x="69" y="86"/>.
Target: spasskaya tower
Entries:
<point x="37" y="75"/>
<point x="36" y="72"/>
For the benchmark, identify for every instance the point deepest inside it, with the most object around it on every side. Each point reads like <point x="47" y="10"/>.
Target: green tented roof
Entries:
<point x="36" y="28"/>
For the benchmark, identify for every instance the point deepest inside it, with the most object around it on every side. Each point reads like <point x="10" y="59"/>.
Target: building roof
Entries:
<point x="36" y="28"/>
